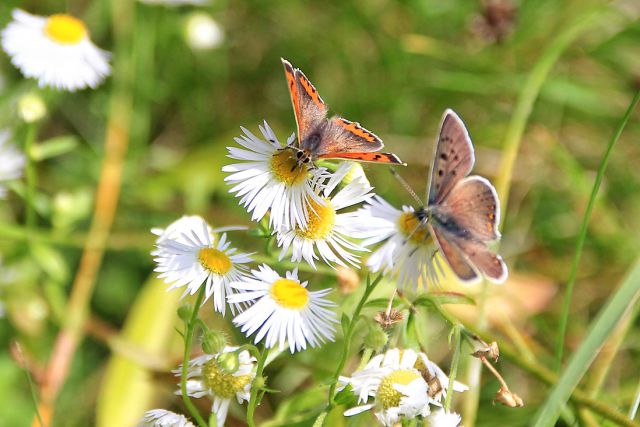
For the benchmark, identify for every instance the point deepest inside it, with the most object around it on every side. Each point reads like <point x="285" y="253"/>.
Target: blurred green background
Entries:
<point x="394" y="66"/>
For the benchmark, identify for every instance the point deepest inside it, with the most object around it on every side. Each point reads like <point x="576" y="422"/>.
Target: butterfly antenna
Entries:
<point x="406" y="186"/>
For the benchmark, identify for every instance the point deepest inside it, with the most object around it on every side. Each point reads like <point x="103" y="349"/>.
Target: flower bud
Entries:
<point x="228" y="362"/>
<point x="184" y="312"/>
<point x="31" y="108"/>
<point x="213" y="342"/>
<point x="376" y="338"/>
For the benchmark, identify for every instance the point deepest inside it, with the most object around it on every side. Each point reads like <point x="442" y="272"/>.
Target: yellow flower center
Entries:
<point x="285" y="167"/>
<point x="322" y="218"/>
<point x="221" y="383"/>
<point x="289" y="293"/>
<point x="65" y="29"/>
<point x="387" y="395"/>
<point x="214" y="260"/>
<point x="412" y="228"/>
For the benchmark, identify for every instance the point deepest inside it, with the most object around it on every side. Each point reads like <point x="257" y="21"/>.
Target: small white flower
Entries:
<point x="213" y="376"/>
<point x="163" y="418"/>
<point x="403" y="384"/>
<point x="329" y="232"/>
<point x="202" y="32"/>
<point x="186" y="255"/>
<point x="55" y="50"/>
<point x="283" y="310"/>
<point x="31" y="107"/>
<point x="441" y="418"/>
<point x="11" y="161"/>
<point x="408" y="253"/>
<point x="271" y="180"/>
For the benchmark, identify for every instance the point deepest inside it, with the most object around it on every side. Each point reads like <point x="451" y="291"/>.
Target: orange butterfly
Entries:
<point x="320" y="137"/>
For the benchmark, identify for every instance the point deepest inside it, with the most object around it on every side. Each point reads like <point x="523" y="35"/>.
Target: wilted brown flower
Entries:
<point x="507" y="398"/>
<point x="388" y="318"/>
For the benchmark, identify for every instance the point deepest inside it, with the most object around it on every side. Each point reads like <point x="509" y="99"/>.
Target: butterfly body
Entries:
<point x="462" y="212"/>
<point x="323" y="137"/>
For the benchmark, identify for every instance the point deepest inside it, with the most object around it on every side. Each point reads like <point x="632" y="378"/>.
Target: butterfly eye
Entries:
<point x="299" y="154"/>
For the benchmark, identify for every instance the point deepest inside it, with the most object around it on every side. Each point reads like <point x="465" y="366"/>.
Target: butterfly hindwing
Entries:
<point x="366" y="157"/>
<point x="343" y="136"/>
<point x="473" y="205"/>
<point x="453" y="256"/>
<point x="454" y="157"/>
<point x="489" y="263"/>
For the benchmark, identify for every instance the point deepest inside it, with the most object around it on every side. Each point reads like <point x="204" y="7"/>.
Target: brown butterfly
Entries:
<point x="462" y="212"/>
<point x="333" y="138"/>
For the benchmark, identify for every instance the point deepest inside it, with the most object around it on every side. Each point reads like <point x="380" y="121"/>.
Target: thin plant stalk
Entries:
<point x="255" y="387"/>
<point x="347" y="338"/>
<point x="31" y="178"/>
<point x="104" y="212"/>
<point x="582" y="235"/>
<point x="455" y="360"/>
<point x="188" y="338"/>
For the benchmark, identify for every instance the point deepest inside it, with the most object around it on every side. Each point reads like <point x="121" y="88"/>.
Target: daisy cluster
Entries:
<point x="314" y="214"/>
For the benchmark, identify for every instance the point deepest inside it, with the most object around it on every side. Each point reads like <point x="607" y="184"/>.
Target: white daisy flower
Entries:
<point x="271" y="180"/>
<point x="283" y="310"/>
<point x="409" y="253"/>
<point x="55" y="50"/>
<point x="329" y="232"/>
<point x="441" y="418"/>
<point x="403" y="384"/>
<point x="164" y="418"/>
<point x="187" y="255"/>
<point x="222" y="377"/>
<point x="11" y="161"/>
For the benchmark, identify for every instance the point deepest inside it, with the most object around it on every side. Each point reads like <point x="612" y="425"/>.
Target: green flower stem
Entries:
<point x="31" y="177"/>
<point x="258" y="383"/>
<point x="566" y="302"/>
<point x="347" y="338"/>
<point x="457" y="345"/>
<point x="188" y="338"/>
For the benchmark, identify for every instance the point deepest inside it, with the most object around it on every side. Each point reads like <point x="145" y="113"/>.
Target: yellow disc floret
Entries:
<point x="322" y="218"/>
<point x="286" y="168"/>
<point x="387" y="395"/>
<point x="221" y="383"/>
<point x="412" y="228"/>
<point x="289" y="293"/>
<point x="214" y="260"/>
<point x="65" y="29"/>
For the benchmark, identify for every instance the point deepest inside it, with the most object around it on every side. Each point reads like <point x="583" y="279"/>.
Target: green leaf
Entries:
<point x="624" y="298"/>
<point x="54" y="147"/>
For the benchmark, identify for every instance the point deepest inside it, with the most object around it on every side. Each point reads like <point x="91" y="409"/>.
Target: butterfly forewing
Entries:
<point x="453" y="159"/>
<point x="308" y="107"/>
<point x="454" y="257"/>
<point x="472" y="204"/>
